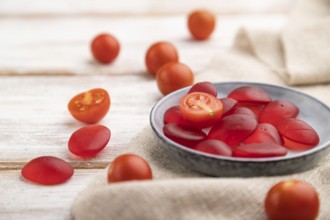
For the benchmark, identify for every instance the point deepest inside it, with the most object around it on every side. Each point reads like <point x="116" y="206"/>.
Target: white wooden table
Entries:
<point x="45" y="60"/>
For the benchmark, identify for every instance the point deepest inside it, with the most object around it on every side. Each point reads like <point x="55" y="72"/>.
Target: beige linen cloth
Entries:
<point x="300" y="54"/>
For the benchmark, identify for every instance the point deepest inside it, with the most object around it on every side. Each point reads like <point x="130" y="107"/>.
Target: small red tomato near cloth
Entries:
<point x="105" y="48"/>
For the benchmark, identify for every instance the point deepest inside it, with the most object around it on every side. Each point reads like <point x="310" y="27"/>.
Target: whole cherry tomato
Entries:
<point x="159" y="54"/>
<point x="105" y="48"/>
<point x="90" y="106"/>
<point x="292" y="200"/>
<point x="201" y="109"/>
<point x="129" y="167"/>
<point x="201" y="24"/>
<point x="173" y="76"/>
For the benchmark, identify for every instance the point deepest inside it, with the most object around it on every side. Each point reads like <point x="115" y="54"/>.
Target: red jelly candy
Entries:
<point x="297" y="134"/>
<point x="184" y="135"/>
<point x="228" y="105"/>
<point x="278" y="110"/>
<point x="259" y="150"/>
<point x="47" y="170"/>
<point x="265" y="133"/>
<point x="233" y="129"/>
<point x="206" y="87"/>
<point x="245" y="111"/>
<point x="89" y="140"/>
<point x="213" y="147"/>
<point x="250" y="94"/>
<point x="255" y="108"/>
<point x="174" y="115"/>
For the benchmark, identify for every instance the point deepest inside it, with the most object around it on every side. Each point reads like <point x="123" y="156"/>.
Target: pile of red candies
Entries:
<point x="247" y="123"/>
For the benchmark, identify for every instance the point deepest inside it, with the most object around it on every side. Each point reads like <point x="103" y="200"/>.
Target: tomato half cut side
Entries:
<point x="297" y="134"/>
<point x="201" y="109"/>
<point x="259" y="150"/>
<point x="90" y="106"/>
<point x="250" y="94"/>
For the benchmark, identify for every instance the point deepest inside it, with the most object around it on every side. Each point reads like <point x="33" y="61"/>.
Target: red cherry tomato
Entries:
<point x="90" y="106"/>
<point x="47" y="170"/>
<point x="265" y="133"/>
<point x="89" y="140"/>
<point x="259" y="150"/>
<point x="173" y="76"/>
<point x="233" y="129"/>
<point x="159" y="54"/>
<point x="292" y="200"/>
<point x="201" y="24"/>
<point x="201" y="109"/>
<point x="215" y="147"/>
<point x="297" y="134"/>
<point x="128" y="167"/>
<point x="174" y="115"/>
<point x="105" y="48"/>
<point x="278" y="110"/>
<point x="228" y="105"/>
<point x="250" y="94"/>
<point x="206" y="87"/>
<point x="183" y="134"/>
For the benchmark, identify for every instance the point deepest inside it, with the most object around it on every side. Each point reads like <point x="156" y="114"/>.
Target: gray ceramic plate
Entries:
<point x="312" y="111"/>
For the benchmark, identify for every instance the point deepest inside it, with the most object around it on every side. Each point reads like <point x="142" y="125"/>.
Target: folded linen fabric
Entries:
<point x="180" y="193"/>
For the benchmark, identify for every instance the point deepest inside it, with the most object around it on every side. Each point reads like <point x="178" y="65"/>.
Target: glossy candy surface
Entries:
<point x="206" y="87"/>
<point x="265" y="133"/>
<point x="215" y="147"/>
<point x="89" y="140"/>
<point x="47" y="170"/>
<point x="259" y="150"/>
<point x="250" y="94"/>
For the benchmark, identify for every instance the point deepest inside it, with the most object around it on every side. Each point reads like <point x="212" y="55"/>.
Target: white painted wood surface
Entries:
<point x="45" y="60"/>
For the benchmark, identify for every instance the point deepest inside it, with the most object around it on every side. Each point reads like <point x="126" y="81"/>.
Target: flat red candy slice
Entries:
<point x="265" y="133"/>
<point x="250" y="94"/>
<point x="47" y="170"/>
<point x="259" y="150"/>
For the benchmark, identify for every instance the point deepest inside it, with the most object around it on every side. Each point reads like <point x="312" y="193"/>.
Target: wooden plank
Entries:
<point x="28" y="201"/>
<point x="55" y="46"/>
<point x="32" y="8"/>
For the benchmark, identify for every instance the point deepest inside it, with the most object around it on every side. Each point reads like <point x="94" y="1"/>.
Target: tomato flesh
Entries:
<point x="47" y="170"/>
<point x="297" y="134"/>
<point x="129" y="167"/>
<point x="233" y="129"/>
<point x="206" y="87"/>
<point x="90" y="106"/>
<point x="259" y="150"/>
<point x="89" y="140"/>
<point x="201" y="109"/>
<point x="292" y="200"/>
<point x="250" y="94"/>
<point x="265" y="133"/>
<point x="215" y="147"/>
<point x="184" y="135"/>
<point x="278" y="110"/>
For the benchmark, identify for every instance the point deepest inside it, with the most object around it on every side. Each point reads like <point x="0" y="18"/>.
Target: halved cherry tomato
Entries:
<point x="215" y="147"/>
<point x="201" y="24"/>
<point x="201" y="109"/>
<point x="173" y="76"/>
<point x="206" y="87"/>
<point x="292" y="200"/>
<point x="90" y="106"/>
<point x="159" y="54"/>
<point x="259" y="150"/>
<point x="183" y="134"/>
<point x="105" y="48"/>
<point x="128" y="167"/>
<point x="297" y="134"/>
<point x="233" y="129"/>
<point x="278" y="110"/>
<point x="250" y="94"/>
